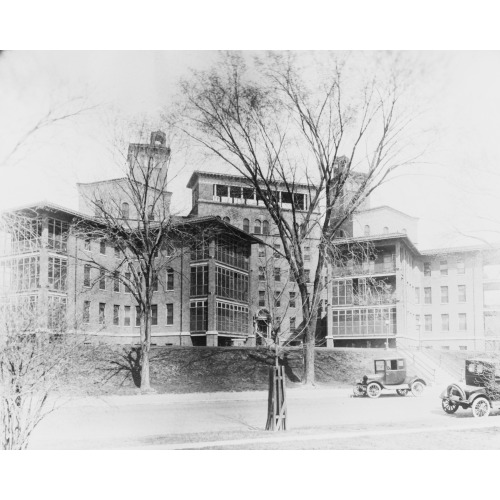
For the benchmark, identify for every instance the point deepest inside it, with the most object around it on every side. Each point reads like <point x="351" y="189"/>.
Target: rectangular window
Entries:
<point x="137" y="316"/>
<point x="170" y="314"/>
<point x="128" y="277"/>
<point x="262" y="298"/>
<point x="445" y="322"/>
<point x="57" y="313"/>
<point x="231" y="284"/>
<point x="199" y="281"/>
<point x="154" y="315"/>
<point x="232" y="318"/>
<point x="277" y="274"/>
<point x="102" y="247"/>
<point x="86" y="275"/>
<point x="462" y="322"/>
<point x="444" y="295"/>
<point x="116" y="282"/>
<point x="428" y="295"/>
<point x="428" y="322"/>
<point x="292" y="299"/>
<point x="277" y="299"/>
<point x="198" y="316"/>
<point x="170" y="278"/>
<point x="117" y="253"/>
<point x="58" y="271"/>
<point x="417" y="322"/>
<point x="443" y="268"/>
<point x="57" y="234"/>
<point x="154" y="282"/>
<point x="417" y="295"/>
<point x="460" y="267"/>
<point x="462" y="295"/>
<point x="86" y="244"/>
<point x="262" y="273"/>
<point x="427" y="268"/>
<point x="292" y="324"/>
<point x="277" y="250"/>
<point x="262" y="250"/>
<point x="307" y="275"/>
<point x="102" y="279"/>
<point x="126" y="316"/>
<point x="102" y="313"/>
<point x="116" y="314"/>
<point x="86" y="312"/>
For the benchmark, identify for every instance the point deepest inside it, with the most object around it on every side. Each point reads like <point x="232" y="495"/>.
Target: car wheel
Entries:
<point x="417" y="388"/>
<point x="481" y="407"/>
<point x="402" y="392"/>
<point x="449" y="406"/>
<point x="373" y="390"/>
<point x="359" y="390"/>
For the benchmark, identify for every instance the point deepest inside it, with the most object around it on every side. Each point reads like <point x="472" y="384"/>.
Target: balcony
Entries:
<point x="368" y="269"/>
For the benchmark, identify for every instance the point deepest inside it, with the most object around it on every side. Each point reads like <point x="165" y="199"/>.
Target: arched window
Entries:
<point x="386" y="230"/>
<point x="125" y="210"/>
<point x="265" y="227"/>
<point x="246" y="225"/>
<point x="367" y="230"/>
<point x="226" y="219"/>
<point x="257" y="229"/>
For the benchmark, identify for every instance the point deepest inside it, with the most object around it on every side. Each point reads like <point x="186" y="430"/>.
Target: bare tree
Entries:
<point x="285" y="134"/>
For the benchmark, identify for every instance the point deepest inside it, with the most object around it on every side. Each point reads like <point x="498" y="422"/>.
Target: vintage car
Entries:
<point x="480" y="390"/>
<point x="391" y="374"/>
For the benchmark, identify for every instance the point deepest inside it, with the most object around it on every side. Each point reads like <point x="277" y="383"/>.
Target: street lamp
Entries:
<point x="387" y="333"/>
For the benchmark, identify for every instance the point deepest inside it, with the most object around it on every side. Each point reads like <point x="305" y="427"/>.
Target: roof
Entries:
<point x="109" y="181"/>
<point x="381" y="237"/>
<point x="386" y="207"/>
<point x="464" y="249"/>
<point x="239" y="178"/>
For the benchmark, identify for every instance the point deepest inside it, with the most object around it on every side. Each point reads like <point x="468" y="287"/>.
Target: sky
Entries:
<point x="453" y="190"/>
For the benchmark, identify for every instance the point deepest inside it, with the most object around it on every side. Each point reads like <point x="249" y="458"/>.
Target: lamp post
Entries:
<point x="387" y="333"/>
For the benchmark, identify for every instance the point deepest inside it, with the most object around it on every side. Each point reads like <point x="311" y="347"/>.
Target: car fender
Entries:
<point x="477" y="394"/>
<point x="378" y="382"/>
<point x="417" y="379"/>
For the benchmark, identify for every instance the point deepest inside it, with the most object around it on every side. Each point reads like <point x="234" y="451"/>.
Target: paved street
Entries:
<point x="318" y="418"/>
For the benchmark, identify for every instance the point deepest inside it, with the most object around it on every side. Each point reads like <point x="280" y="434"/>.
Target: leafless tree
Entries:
<point x="339" y="136"/>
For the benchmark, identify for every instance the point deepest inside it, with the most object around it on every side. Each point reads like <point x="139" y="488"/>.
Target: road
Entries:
<point x="321" y="418"/>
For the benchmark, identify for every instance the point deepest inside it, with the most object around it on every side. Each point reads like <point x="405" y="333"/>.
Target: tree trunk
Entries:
<point x="309" y="351"/>
<point x="145" y="348"/>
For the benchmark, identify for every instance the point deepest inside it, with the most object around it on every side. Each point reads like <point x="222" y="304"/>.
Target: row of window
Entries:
<point x="443" y="268"/>
<point x="461" y="290"/>
<point x="278" y="295"/>
<point x="445" y="322"/>
<point x="385" y="230"/>
<point x="231" y="284"/>
<point x="380" y="321"/>
<point x="18" y="275"/>
<point x="122" y="315"/>
<point x="277" y="274"/>
<point x="232" y="318"/>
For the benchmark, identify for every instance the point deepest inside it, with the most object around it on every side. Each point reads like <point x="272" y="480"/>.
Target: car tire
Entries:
<point x="402" y="392"/>
<point x="449" y="406"/>
<point x="359" y="390"/>
<point x="373" y="390"/>
<point x="417" y="388"/>
<point x="481" y="407"/>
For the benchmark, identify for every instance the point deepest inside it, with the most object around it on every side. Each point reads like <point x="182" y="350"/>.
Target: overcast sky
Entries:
<point x="454" y="193"/>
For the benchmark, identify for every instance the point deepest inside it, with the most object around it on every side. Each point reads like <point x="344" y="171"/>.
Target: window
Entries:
<point x="116" y="281"/>
<point x="102" y="279"/>
<point x="198" y="316"/>
<point x="246" y="225"/>
<point x="154" y="281"/>
<point x="292" y="300"/>
<point x="199" y="281"/>
<point x="445" y="322"/>
<point x="277" y="299"/>
<point x="341" y="292"/>
<point x="367" y="321"/>
<point x="232" y="252"/>
<point x="277" y="250"/>
<point x="427" y="268"/>
<point x="170" y="278"/>
<point x="265" y="228"/>
<point x="86" y="312"/>
<point x="58" y="271"/>
<point x="226" y="219"/>
<point x="277" y="274"/>
<point x="262" y="273"/>
<point x="444" y="295"/>
<point x="307" y="275"/>
<point x="102" y="247"/>
<point x="462" y="296"/>
<point x="292" y="324"/>
<point x="86" y="244"/>
<point x="367" y="231"/>
<point x="126" y="316"/>
<point x="443" y="268"/>
<point x="428" y="322"/>
<point x="117" y="253"/>
<point x="116" y="314"/>
<point x="128" y="278"/>
<point x="86" y="275"/>
<point x="231" y="284"/>
<point x="417" y="322"/>
<point x="102" y="313"/>
<point x="137" y="316"/>
<point x="57" y="234"/>
<point x="460" y="267"/>
<point x="262" y="250"/>
<point x="262" y="298"/>
<point x="257" y="227"/>
<point x="462" y="322"/>
<point x="154" y="315"/>
<point x="386" y="230"/>
<point x="125" y="210"/>
<point x="428" y="295"/>
<point x="462" y="347"/>
<point x="232" y="318"/>
<point x="151" y="213"/>
<point x="417" y="295"/>
<point x="170" y="314"/>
